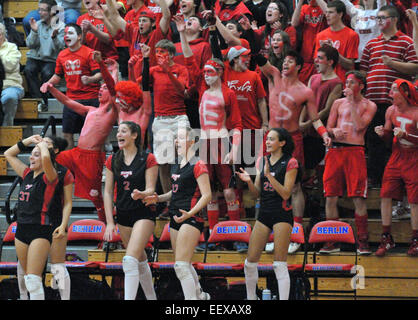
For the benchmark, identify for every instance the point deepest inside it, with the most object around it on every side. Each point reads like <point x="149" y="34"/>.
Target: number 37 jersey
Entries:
<point x="35" y="197"/>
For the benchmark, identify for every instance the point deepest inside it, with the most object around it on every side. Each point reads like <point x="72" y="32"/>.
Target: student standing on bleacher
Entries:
<point x="71" y="13"/>
<point x="12" y="85"/>
<point x="45" y="41"/>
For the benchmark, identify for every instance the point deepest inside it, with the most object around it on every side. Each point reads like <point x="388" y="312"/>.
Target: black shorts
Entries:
<point x="72" y="122"/>
<point x="29" y="232"/>
<point x="127" y="218"/>
<point x="269" y="218"/>
<point x="191" y="221"/>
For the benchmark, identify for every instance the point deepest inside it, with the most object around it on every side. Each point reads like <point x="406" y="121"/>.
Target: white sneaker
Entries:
<point x="42" y="107"/>
<point x="269" y="247"/>
<point x="293" y="247"/>
<point x="399" y="212"/>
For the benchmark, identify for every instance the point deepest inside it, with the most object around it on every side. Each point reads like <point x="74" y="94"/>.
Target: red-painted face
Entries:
<point x="354" y="84"/>
<point x="244" y="61"/>
<point x="162" y="56"/>
<point x="396" y="95"/>
<point x="210" y="74"/>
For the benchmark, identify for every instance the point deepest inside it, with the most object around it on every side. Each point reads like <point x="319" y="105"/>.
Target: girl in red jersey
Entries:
<point x="35" y="220"/>
<point x="134" y="172"/>
<point x="189" y="195"/>
<point x="273" y="185"/>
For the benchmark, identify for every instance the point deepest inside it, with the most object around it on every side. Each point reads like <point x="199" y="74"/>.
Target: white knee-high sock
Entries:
<point x="35" y="287"/>
<point x="184" y="274"/>
<point x="283" y="279"/>
<point x="145" y="278"/>
<point x="199" y="292"/>
<point x="61" y="280"/>
<point x="251" y="279"/>
<point x="21" y="282"/>
<point x="130" y="267"/>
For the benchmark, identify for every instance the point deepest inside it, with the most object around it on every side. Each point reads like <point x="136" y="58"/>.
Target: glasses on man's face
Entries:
<point x="383" y="18"/>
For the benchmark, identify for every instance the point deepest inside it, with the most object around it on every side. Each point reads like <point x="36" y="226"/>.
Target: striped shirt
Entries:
<point x="379" y="76"/>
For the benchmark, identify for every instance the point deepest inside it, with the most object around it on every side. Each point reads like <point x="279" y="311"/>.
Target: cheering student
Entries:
<point x="36" y="222"/>
<point x="133" y="172"/>
<point x="276" y="176"/>
<point x="189" y="195"/>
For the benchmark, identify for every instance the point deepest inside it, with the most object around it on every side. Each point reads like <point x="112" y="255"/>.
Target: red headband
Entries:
<point x="214" y="64"/>
<point x="413" y="94"/>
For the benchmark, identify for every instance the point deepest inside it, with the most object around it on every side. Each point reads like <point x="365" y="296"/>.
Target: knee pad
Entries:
<point x="130" y="266"/>
<point x="33" y="284"/>
<point x="280" y="269"/>
<point x="60" y="272"/>
<point x="182" y="269"/>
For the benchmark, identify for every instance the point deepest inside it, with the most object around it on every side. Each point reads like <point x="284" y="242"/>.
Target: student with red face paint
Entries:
<point x="311" y="19"/>
<point x="345" y="162"/>
<point x="82" y="76"/>
<point x="169" y="81"/>
<point x="327" y="87"/>
<point x="86" y="160"/>
<point x="219" y="113"/>
<point x="401" y="170"/>
<point x="287" y="96"/>
<point x="132" y="103"/>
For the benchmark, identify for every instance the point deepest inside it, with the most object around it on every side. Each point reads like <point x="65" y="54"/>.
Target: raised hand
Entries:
<point x="243" y="175"/>
<point x="180" y="23"/>
<point x="33" y="25"/>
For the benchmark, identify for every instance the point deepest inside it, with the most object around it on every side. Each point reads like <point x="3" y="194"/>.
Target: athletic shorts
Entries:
<point x="29" y="232"/>
<point x="345" y="166"/>
<point x="164" y="131"/>
<point x="72" y="122"/>
<point x="129" y="218"/>
<point x="87" y="168"/>
<point x="193" y="221"/>
<point x="269" y="219"/>
<point x="211" y="152"/>
<point x="401" y="173"/>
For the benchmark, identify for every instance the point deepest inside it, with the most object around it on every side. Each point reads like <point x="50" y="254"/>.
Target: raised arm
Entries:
<point x="166" y="16"/>
<point x="49" y="169"/>
<point x="229" y="38"/>
<point x="296" y="14"/>
<point x="11" y="154"/>
<point x="73" y="105"/>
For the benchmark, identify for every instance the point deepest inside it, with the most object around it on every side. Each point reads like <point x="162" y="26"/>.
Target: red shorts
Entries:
<point x="401" y="173"/>
<point x="345" y="166"/>
<point x="212" y="156"/>
<point x="87" y="168"/>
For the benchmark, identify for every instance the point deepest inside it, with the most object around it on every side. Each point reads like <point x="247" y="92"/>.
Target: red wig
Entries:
<point x="131" y="93"/>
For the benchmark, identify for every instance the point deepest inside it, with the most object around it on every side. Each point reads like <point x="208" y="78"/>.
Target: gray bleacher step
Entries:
<point x="38" y="128"/>
<point x="54" y="109"/>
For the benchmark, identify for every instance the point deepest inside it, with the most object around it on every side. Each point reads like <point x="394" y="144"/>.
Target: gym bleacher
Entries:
<point x="394" y="276"/>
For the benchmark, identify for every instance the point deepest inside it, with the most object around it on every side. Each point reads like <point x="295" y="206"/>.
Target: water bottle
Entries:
<point x="257" y="208"/>
<point x="266" y="294"/>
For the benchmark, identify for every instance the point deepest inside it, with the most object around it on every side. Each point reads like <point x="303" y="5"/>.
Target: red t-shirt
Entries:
<point x="201" y="51"/>
<point x="167" y="100"/>
<point x="312" y="20"/>
<point x="248" y="88"/>
<point x="346" y="41"/>
<point x="226" y="12"/>
<point x="73" y="65"/>
<point x="134" y="38"/>
<point x="91" y="41"/>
